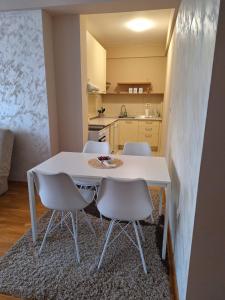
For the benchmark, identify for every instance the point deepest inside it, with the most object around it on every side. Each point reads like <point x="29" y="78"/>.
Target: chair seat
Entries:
<point x="126" y="215"/>
<point x="124" y="200"/>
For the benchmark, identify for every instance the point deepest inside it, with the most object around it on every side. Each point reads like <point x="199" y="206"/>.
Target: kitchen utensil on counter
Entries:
<point x="101" y="112"/>
<point x="146" y="112"/>
<point x="147" y="109"/>
<point x="108" y="84"/>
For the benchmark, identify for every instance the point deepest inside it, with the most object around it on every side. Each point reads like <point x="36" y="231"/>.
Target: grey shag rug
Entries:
<point x="56" y="275"/>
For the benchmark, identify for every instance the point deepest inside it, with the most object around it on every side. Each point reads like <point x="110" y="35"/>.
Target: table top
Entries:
<point x="152" y="169"/>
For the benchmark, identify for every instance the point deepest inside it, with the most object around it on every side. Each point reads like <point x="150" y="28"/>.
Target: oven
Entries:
<point x="98" y="133"/>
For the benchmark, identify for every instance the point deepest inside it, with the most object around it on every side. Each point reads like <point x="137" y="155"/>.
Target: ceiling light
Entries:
<point x="139" y="24"/>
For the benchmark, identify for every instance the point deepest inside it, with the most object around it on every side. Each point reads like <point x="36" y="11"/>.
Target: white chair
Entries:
<point x="97" y="147"/>
<point x="141" y="149"/>
<point x="58" y="193"/>
<point x="128" y="201"/>
<point x="93" y="147"/>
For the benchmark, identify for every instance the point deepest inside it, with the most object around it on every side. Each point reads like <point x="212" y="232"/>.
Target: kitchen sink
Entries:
<point x="144" y="117"/>
<point x="128" y="117"/>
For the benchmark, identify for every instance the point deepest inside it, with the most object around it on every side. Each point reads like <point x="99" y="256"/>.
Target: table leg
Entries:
<point x="168" y="199"/>
<point x="160" y="201"/>
<point x="30" y="181"/>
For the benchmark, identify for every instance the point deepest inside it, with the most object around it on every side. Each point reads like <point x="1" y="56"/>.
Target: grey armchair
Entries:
<point x="6" y="146"/>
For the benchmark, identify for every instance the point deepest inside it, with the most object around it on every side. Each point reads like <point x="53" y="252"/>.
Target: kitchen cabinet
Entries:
<point x="140" y="131"/>
<point x="148" y="131"/>
<point x="96" y="63"/>
<point x="128" y="131"/>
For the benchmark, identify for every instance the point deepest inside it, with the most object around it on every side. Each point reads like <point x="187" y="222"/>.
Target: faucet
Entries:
<point x="123" y="111"/>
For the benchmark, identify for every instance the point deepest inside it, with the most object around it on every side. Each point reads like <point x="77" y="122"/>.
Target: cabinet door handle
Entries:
<point x="148" y="135"/>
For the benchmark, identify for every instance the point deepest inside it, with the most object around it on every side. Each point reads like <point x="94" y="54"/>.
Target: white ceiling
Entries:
<point x="88" y="6"/>
<point x="110" y="29"/>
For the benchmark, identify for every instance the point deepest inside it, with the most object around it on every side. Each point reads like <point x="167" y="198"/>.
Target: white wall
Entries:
<point x="23" y="95"/>
<point x="188" y="93"/>
<point x="207" y="268"/>
<point x="167" y="96"/>
<point x="137" y="69"/>
<point x="137" y="63"/>
<point x="136" y="50"/>
<point x="71" y="79"/>
<point x="94" y="103"/>
<point x="50" y="81"/>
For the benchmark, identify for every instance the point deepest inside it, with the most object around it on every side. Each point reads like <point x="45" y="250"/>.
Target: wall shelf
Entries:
<point x="133" y="94"/>
<point x="134" y="88"/>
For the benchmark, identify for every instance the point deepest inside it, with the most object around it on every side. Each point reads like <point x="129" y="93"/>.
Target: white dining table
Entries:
<point x="152" y="169"/>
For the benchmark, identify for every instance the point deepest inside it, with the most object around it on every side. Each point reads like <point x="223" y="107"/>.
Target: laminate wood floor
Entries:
<point x="14" y="217"/>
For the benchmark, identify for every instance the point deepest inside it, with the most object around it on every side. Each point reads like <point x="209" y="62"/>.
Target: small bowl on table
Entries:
<point x="104" y="158"/>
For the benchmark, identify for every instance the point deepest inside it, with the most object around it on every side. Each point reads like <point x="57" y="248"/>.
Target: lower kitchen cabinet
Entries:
<point x="148" y="131"/>
<point x="140" y="131"/>
<point x="128" y="131"/>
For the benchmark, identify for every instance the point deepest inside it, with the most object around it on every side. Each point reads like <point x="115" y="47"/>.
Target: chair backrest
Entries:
<point x="124" y="200"/>
<point x="97" y="147"/>
<point x="58" y="192"/>
<point x="141" y="149"/>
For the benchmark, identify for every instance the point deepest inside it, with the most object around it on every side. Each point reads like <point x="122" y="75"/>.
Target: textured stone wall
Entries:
<point x="188" y="87"/>
<point x="23" y="96"/>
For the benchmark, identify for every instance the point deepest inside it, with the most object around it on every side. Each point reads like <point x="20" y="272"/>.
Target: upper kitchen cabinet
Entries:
<point x="96" y="64"/>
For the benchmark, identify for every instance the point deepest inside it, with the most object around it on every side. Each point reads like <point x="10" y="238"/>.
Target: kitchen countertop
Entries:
<point x="102" y="121"/>
<point x="106" y="121"/>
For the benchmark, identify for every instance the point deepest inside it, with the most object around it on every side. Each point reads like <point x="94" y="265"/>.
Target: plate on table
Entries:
<point x="105" y="162"/>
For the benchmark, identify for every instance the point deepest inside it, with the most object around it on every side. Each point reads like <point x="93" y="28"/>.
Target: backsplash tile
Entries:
<point x="135" y="105"/>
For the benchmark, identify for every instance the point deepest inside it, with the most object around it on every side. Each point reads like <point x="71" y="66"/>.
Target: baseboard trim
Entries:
<point x="172" y="270"/>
